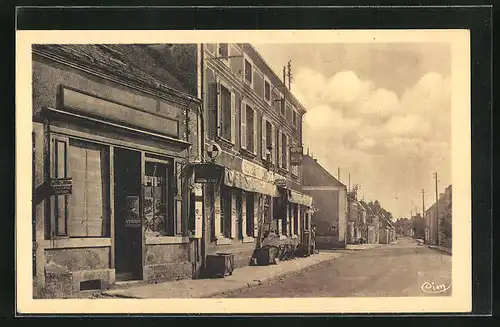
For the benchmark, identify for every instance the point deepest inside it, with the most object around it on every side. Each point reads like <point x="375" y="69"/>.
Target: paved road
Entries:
<point x="389" y="270"/>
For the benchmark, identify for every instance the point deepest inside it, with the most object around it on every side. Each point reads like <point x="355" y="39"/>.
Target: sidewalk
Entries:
<point x="440" y="248"/>
<point x="359" y="247"/>
<point x="242" y="278"/>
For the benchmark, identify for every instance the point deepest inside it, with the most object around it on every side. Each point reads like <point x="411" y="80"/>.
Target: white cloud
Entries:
<point x="346" y="87"/>
<point x="411" y="125"/>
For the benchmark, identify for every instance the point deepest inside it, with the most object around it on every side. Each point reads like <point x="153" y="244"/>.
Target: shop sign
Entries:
<point x="296" y="153"/>
<point x="132" y="217"/>
<point x="280" y="182"/>
<point x="61" y="186"/>
<point x="207" y="173"/>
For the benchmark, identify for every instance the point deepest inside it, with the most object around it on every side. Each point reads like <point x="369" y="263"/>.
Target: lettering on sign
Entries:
<point x="61" y="186"/>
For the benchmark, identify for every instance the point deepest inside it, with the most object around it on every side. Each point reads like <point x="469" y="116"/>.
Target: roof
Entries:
<point x="137" y="62"/>
<point x="313" y="174"/>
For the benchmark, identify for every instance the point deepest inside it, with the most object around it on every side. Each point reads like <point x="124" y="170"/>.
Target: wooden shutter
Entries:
<point x="287" y="149"/>
<point x="273" y="143"/>
<point x="264" y="135"/>
<point x="256" y="213"/>
<point x="243" y="131"/>
<point x="234" y="215"/>
<point x="217" y="211"/>
<point x="233" y="118"/>
<point x="213" y="116"/>
<point x="255" y="131"/>
<point x="244" y="214"/>
<point x="59" y="170"/>
<point x="280" y="149"/>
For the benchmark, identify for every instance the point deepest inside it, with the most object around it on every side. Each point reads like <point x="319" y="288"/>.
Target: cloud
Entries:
<point x="389" y="144"/>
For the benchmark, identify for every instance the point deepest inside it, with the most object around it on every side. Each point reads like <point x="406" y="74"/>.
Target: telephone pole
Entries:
<point x="437" y="207"/>
<point x="423" y="203"/>
<point x="349" y="182"/>
<point x="338" y="174"/>
<point x="284" y="75"/>
<point x="289" y="74"/>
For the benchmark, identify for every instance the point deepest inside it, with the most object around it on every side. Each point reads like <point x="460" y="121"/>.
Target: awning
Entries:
<point x="299" y="198"/>
<point x="248" y="183"/>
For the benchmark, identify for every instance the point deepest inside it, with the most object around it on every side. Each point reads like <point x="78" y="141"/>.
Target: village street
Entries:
<point x="401" y="269"/>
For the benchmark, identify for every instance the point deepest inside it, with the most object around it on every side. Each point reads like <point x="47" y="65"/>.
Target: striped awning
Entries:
<point x="248" y="183"/>
<point x="299" y="198"/>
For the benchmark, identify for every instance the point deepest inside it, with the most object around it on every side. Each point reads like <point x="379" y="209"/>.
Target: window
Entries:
<point x="267" y="138"/>
<point x="223" y="50"/>
<point x="159" y="214"/>
<point x="250" y="130"/>
<point x="284" y="150"/>
<point x="278" y="149"/>
<point x="248" y="71"/>
<point x="269" y="135"/>
<point x="250" y="214"/>
<point x="225" y="103"/>
<point x="284" y="223"/>
<point x="294" y="118"/>
<point x="295" y="215"/>
<point x="88" y="207"/>
<point x="226" y="209"/>
<point x="283" y="108"/>
<point x="267" y="91"/>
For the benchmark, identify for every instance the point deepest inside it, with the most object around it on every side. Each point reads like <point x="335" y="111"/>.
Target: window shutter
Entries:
<point x="255" y="131"/>
<point x="280" y="149"/>
<point x="178" y="199"/>
<point x="243" y="214"/>
<point x="233" y="118"/>
<point x="243" y="131"/>
<point x="213" y="116"/>
<point x="217" y="211"/>
<point x="59" y="170"/>
<point x="233" y="215"/>
<point x="219" y="110"/>
<point x="287" y="153"/>
<point x="264" y="140"/>
<point x="273" y="144"/>
<point x="256" y="213"/>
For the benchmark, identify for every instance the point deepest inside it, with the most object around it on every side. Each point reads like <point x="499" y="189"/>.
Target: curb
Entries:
<point x="439" y="249"/>
<point x="254" y="283"/>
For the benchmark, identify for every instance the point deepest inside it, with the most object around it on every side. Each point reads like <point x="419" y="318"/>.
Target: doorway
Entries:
<point x="128" y="217"/>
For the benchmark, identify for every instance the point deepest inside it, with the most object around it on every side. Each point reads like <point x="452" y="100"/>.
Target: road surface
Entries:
<point x="402" y="269"/>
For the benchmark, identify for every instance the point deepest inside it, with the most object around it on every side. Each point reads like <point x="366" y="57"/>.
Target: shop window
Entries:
<point x="250" y="214"/>
<point x="226" y="117"/>
<point x="225" y="203"/>
<point x="87" y="213"/>
<point x="160" y="214"/>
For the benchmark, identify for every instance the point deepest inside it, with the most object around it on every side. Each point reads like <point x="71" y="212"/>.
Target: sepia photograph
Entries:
<point x="279" y="165"/>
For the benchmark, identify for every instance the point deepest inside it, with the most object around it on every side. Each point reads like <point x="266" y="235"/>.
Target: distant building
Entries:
<point x="372" y="224"/>
<point x="438" y="219"/>
<point x="330" y="199"/>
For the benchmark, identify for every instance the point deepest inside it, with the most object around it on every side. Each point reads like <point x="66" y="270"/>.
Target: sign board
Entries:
<point x="280" y="182"/>
<point x="61" y="186"/>
<point x="213" y="151"/>
<point x="296" y="153"/>
<point x="207" y="173"/>
<point x="132" y="217"/>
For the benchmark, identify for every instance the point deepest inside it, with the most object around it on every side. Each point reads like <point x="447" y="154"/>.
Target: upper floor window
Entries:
<point x="223" y="50"/>
<point x="226" y="117"/>
<point x="294" y="118"/>
<point x="283" y="108"/>
<point x="267" y="91"/>
<point x="250" y="130"/>
<point x="248" y="71"/>
<point x="284" y="149"/>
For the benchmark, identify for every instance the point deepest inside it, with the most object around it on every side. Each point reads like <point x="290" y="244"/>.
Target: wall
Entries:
<point x="62" y="264"/>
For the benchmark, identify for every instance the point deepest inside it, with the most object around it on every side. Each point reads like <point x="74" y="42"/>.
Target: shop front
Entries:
<point x="115" y="205"/>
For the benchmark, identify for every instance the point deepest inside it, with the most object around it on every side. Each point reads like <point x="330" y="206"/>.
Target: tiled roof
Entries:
<point x="315" y="174"/>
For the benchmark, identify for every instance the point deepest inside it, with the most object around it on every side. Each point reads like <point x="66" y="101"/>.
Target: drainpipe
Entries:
<point x="204" y="239"/>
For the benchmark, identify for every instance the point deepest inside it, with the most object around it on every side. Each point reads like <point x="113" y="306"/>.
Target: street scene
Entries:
<point x="241" y="170"/>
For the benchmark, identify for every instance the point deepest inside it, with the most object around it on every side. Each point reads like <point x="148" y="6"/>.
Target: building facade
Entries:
<point x="330" y="200"/>
<point x="256" y="121"/>
<point x="114" y="126"/>
<point x="372" y="224"/>
<point x="438" y="220"/>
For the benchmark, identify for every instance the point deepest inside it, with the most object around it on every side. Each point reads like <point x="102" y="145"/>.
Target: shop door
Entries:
<point x="128" y="227"/>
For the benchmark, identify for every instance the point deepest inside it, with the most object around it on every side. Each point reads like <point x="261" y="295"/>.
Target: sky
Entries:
<point x="381" y="112"/>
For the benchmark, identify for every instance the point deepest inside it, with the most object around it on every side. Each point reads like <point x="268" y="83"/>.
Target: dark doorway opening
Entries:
<point x="128" y="218"/>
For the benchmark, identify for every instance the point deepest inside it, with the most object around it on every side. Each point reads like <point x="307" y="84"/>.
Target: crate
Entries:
<point x="267" y="255"/>
<point x="220" y="265"/>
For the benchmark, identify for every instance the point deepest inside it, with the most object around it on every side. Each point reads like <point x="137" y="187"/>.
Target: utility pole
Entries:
<point x="437" y="207"/>
<point x="349" y="182"/>
<point x="284" y="75"/>
<point x="338" y="174"/>
<point x="289" y="74"/>
<point x="423" y="203"/>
